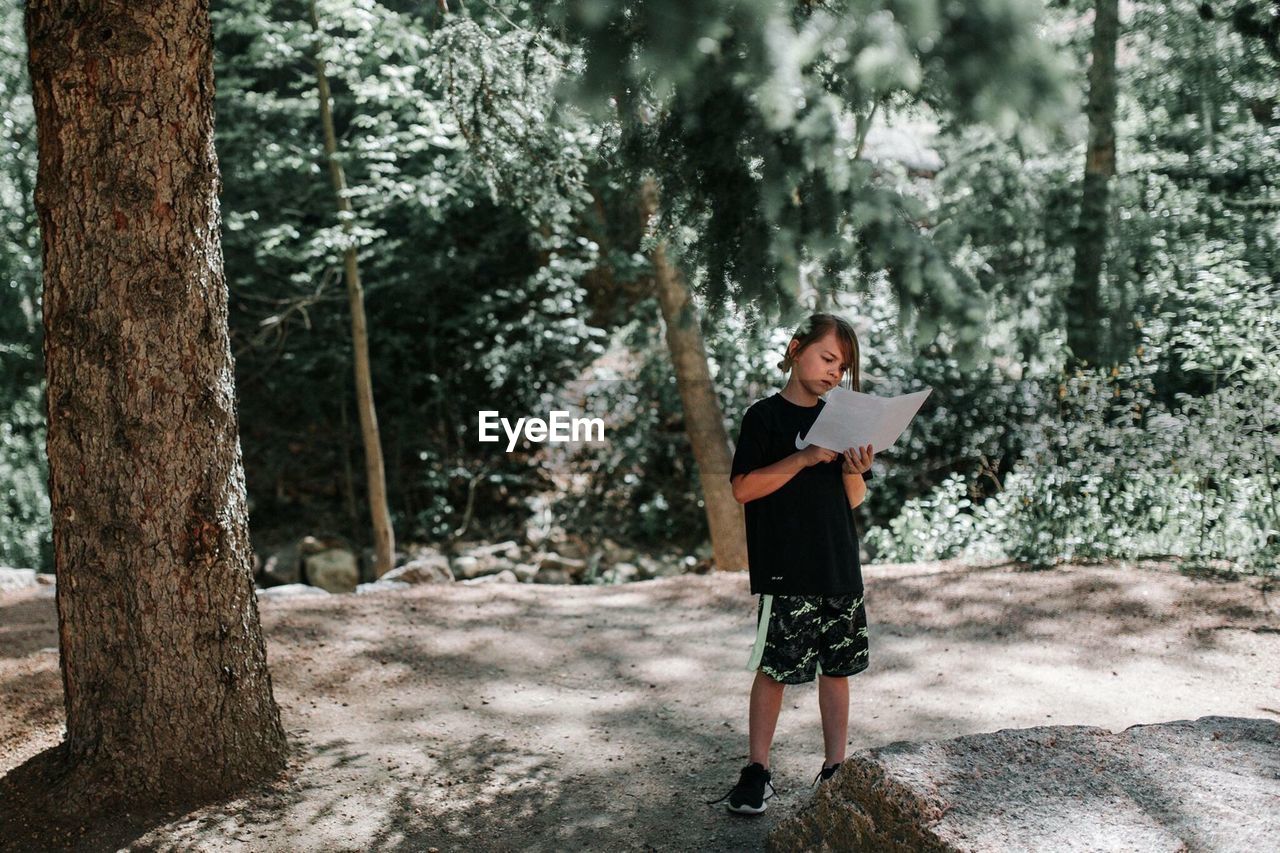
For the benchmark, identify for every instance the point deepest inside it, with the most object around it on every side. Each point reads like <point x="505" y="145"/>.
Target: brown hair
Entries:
<point x="815" y="328"/>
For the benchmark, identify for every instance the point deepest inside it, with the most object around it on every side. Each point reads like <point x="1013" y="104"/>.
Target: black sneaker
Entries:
<point x="748" y="796"/>
<point x="826" y="773"/>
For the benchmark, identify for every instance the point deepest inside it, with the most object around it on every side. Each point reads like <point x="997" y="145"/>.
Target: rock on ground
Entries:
<point x="1206" y="784"/>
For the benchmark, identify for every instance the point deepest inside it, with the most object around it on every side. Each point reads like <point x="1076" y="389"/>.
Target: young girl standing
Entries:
<point x="802" y="550"/>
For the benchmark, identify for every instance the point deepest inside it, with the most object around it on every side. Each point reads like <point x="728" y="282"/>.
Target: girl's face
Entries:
<point x="820" y="366"/>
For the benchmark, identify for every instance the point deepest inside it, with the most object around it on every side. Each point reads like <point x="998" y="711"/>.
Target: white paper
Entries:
<point x="853" y="419"/>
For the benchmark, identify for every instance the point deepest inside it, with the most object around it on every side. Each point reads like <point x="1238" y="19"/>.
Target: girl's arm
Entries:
<point x="767" y="480"/>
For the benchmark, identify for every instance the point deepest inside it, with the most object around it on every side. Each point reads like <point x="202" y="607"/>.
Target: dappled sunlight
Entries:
<point x="429" y="717"/>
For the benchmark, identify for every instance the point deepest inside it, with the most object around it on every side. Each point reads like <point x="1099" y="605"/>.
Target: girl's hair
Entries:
<point x="816" y="328"/>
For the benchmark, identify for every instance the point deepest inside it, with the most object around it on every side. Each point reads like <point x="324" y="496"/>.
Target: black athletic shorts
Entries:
<point x="798" y="636"/>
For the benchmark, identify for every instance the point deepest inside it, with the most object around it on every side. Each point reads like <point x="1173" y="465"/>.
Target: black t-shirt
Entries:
<point x="800" y="537"/>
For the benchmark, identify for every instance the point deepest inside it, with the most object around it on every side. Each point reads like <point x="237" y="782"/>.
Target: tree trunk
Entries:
<point x="164" y="670"/>
<point x="375" y="472"/>
<point x="704" y="422"/>
<point x="1085" y="335"/>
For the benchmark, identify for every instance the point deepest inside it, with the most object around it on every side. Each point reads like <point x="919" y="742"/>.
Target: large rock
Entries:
<point x="282" y="566"/>
<point x="291" y="590"/>
<point x="1206" y="784"/>
<point x="429" y="568"/>
<point x="470" y="566"/>
<point x="333" y="570"/>
<point x="619" y="573"/>
<point x="381" y="585"/>
<point x="504" y="576"/>
<point x="555" y="562"/>
<point x="509" y="549"/>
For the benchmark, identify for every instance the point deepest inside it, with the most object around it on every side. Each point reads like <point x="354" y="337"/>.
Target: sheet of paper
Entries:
<point x="853" y="419"/>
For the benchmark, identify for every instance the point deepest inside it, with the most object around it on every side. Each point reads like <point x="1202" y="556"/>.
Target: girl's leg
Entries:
<point x="762" y="719"/>
<point x="833" y="702"/>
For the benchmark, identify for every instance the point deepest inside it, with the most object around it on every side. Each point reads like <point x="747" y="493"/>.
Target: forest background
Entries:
<point x="1102" y="338"/>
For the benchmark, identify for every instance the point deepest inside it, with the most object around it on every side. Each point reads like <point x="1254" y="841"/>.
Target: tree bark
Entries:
<point x="1085" y="336"/>
<point x="167" y="692"/>
<point x="375" y="471"/>
<point x="704" y="422"/>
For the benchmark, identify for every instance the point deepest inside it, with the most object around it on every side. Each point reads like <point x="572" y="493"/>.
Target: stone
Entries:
<point x="282" y="566"/>
<point x="552" y="575"/>
<point x="1205" y="784"/>
<point x="570" y="545"/>
<point x="381" y="585"/>
<point x="620" y="573"/>
<point x="291" y="590"/>
<point x="467" y="566"/>
<point x="508" y="549"/>
<point x="426" y="569"/>
<point x="652" y="568"/>
<point x="504" y="576"/>
<point x="525" y="572"/>
<point x="569" y="565"/>
<point x="333" y="570"/>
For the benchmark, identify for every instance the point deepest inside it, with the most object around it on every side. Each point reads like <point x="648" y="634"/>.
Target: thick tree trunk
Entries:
<point x="704" y="422"/>
<point x="164" y="671"/>
<point x="1085" y="335"/>
<point x="375" y="471"/>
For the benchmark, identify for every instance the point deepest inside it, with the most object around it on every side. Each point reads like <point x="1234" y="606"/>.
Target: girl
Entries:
<point x="802" y="550"/>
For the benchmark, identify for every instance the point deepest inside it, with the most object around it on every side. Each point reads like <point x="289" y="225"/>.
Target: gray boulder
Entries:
<point x="381" y="585"/>
<point x="281" y="567"/>
<point x="525" y="572"/>
<point x="425" y="569"/>
<point x="333" y="570"/>
<point x="1205" y="784"/>
<point x="291" y="590"/>
<point x="552" y="575"/>
<point x="571" y="566"/>
<point x="620" y="573"/>
<point x="470" y="566"/>
<point x="504" y="576"/>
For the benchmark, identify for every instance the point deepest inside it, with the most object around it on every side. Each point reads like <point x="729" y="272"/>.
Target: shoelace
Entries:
<point x="833" y="768"/>
<point x="731" y="790"/>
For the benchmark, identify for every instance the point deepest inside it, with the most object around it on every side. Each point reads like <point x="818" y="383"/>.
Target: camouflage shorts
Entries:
<point x="798" y="636"/>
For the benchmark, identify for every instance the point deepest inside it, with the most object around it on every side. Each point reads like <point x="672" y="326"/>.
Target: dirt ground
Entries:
<point x="532" y="717"/>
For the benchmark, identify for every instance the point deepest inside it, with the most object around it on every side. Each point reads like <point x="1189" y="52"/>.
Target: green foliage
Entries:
<point x="25" y="526"/>
<point x="1109" y="472"/>
<point x="25" y="534"/>
<point x="498" y="233"/>
<point x="752" y="119"/>
<point x="467" y="183"/>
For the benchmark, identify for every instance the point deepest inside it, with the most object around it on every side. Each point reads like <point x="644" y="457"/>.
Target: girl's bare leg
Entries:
<point x="762" y="719"/>
<point x="833" y="702"/>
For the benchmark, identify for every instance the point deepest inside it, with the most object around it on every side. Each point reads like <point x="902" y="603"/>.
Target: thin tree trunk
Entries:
<point x="167" y="693"/>
<point x="704" y="422"/>
<point x="1084" y="311"/>
<point x="383" y="536"/>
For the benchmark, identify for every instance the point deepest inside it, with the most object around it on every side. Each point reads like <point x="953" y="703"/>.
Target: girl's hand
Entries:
<point x="813" y="454"/>
<point x="857" y="460"/>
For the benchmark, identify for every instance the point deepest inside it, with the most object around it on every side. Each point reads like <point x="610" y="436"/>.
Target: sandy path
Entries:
<point x="505" y="717"/>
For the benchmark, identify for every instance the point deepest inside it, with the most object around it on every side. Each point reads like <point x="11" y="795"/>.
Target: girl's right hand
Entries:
<point x="813" y="454"/>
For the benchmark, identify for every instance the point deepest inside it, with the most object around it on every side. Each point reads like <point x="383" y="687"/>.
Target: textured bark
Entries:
<point x="1084" y="312"/>
<point x="704" y="422"/>
<point x="375" y="471"/>
<point x="167" y="691"/>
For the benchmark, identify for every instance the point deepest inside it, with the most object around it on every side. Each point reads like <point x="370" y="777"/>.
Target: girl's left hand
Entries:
<point x="857" y="460"/>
